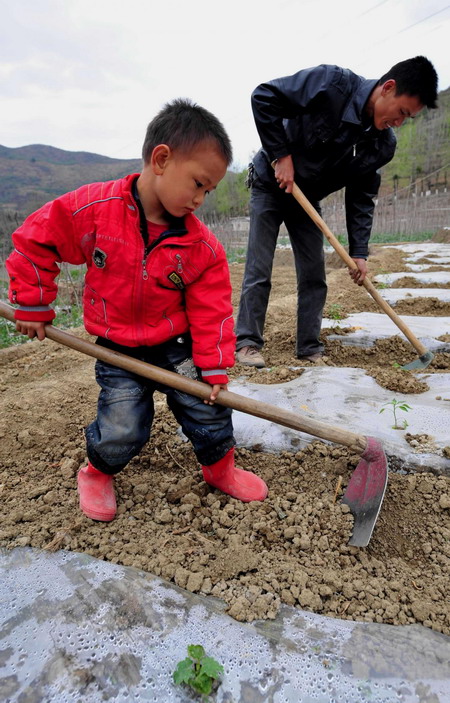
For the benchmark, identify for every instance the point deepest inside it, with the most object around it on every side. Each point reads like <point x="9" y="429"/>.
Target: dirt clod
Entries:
<point x="293" y="547"/>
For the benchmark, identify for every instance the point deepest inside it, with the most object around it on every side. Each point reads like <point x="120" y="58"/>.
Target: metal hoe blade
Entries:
<point x="365" y="492"/>
<point x="421" y="363"/>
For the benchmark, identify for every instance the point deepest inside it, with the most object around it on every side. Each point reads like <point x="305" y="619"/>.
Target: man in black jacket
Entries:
<point x="326" y="128"/>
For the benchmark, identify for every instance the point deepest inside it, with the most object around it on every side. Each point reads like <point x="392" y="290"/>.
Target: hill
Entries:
<point x="32" y="175"/>
<point x="423" y="150"/>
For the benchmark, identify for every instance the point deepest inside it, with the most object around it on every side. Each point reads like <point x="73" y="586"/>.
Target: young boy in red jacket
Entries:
<point x="157" y="288"/>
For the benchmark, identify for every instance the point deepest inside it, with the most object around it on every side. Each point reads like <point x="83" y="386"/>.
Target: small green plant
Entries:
<point x="397" y="405"/>
<point x="198" y="671"/>
<point x="8" y="334"/>
<point x="399" y="367"/>
<point x="334" y="312"/>
<point x="381" y="285"/>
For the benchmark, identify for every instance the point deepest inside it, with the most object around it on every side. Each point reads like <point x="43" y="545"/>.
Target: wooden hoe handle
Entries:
<point x="202" y="390"/>
<point x="368" y="285"/>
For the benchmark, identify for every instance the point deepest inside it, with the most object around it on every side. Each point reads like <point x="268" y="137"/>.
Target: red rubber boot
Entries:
<point x="237" y="483"/>
<point x="97" y="498"/>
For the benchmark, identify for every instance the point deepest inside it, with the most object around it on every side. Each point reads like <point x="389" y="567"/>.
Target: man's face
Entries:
<point x="391" y="110"/>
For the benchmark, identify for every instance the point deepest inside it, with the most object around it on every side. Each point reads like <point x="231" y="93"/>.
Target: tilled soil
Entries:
<point x="293" y="547"/>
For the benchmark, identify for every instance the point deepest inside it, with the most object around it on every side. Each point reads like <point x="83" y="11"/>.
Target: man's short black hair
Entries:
<point x="415" y="77"/>
<point x="182" y="125"/>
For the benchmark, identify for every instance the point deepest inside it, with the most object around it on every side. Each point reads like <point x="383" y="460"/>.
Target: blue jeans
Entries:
<point x="125" y="409"/>
<point x="269" y="207"/>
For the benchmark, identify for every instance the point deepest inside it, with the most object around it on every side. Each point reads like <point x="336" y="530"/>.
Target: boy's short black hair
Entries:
<point x="182" y="124"/>
<point x="415" y="77"/>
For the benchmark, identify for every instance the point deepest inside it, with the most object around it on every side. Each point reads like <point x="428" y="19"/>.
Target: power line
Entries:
<point x="400" y="31"/>
<point x="374" y="7"/>
<point x="424" y="19"/>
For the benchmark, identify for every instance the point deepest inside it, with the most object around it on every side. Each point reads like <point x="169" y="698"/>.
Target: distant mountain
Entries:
<point x="32" y="175"/>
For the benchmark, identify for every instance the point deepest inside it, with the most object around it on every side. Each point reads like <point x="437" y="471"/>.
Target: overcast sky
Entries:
<point x="88" y="75"/>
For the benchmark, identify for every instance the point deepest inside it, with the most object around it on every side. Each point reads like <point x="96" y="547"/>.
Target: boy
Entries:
<point x="157" y="288"/>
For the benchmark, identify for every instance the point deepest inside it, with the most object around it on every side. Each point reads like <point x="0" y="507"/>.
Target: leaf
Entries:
<point x="202" y="683"/>
<point x="211" y="667"/>
<point x="196" y="651"/>
<point x="184" y="672"/>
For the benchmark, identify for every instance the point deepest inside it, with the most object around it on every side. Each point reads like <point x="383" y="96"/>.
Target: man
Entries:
<point x="326" y="128"/>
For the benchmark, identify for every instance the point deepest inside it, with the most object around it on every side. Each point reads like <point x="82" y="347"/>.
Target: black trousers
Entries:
<point x="270" y="207"/>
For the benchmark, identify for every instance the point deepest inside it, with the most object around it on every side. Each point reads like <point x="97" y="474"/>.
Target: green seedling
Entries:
<point x="399" y="367"/>
<point x="381" y="285"/>
<point x="395" y="406"/>
<point x="199" y="672"/>
<point x="334" y="312"/>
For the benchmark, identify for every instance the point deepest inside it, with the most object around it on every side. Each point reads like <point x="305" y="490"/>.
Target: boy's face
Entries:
<point x="184" y="179"/>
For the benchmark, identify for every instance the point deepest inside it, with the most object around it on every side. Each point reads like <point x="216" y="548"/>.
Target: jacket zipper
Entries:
<point x="144" y="264"/>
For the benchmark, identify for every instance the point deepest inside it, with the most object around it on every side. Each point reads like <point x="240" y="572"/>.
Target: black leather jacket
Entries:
<point x="317" y="116"/>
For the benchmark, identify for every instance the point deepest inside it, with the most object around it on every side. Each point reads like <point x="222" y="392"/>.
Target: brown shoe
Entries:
<point x="250" y="356"/>
<point x="311" y="357"/>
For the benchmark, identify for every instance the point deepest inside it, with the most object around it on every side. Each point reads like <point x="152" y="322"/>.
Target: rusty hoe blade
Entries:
<point x="365" y="491"/>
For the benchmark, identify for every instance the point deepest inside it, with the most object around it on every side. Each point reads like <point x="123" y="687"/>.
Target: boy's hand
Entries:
<point x="31" y="328"/>
<point x="215" y="392"/>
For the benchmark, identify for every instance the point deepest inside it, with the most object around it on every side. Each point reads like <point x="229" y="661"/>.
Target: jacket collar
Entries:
<point x="354" y="110"/>
<point x="176" y="226"/>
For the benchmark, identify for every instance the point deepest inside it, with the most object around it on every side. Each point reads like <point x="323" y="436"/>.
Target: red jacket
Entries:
<point x="133" y="295"/>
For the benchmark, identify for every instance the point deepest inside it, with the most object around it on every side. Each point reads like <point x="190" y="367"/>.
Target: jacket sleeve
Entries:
<point x="210" y="314"/>
<point x="359" y="209"/>
<point x="44" y="240"/>
<point x="285" y="98"/>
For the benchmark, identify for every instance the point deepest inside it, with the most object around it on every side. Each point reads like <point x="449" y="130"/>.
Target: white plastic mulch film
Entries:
<point x="73" y="629"/>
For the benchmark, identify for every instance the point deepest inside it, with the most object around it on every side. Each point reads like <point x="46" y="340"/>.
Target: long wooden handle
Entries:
<point x="202" y="390"/>
<point x="368" y="285"/>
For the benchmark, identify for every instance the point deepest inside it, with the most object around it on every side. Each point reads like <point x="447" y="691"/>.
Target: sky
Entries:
<point x="88" y="75"/>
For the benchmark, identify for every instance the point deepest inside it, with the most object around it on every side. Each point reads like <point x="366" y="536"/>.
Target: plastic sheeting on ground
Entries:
<point x="350" y="399"/>
<point x="75" y="629"/>
<point x="393" y="295"/>
<point x="420" y="276"/>
<point x="364" y="328"/>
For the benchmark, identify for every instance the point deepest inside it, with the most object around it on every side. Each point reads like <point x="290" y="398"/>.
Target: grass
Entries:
<point x="68" y="314"/>
<point x="66" y="318"/>
<point x="390" y="238"/>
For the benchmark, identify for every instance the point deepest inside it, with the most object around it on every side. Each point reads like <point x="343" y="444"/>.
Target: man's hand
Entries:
<point x="31" y="328"/>
<point x="215" y="392"/>
<point x="284" y="173"/>
<point x="360" y="273"/>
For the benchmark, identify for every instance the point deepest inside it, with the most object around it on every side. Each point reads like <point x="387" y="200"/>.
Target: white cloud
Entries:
<point x="89" y="74"/>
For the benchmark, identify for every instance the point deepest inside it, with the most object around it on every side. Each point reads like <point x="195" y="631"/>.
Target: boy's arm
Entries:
<point x="211" y="325"/>
<point x="45" y="239"/>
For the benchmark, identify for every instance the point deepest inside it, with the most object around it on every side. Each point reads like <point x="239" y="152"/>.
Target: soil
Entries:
<point x="292" y="548"/>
